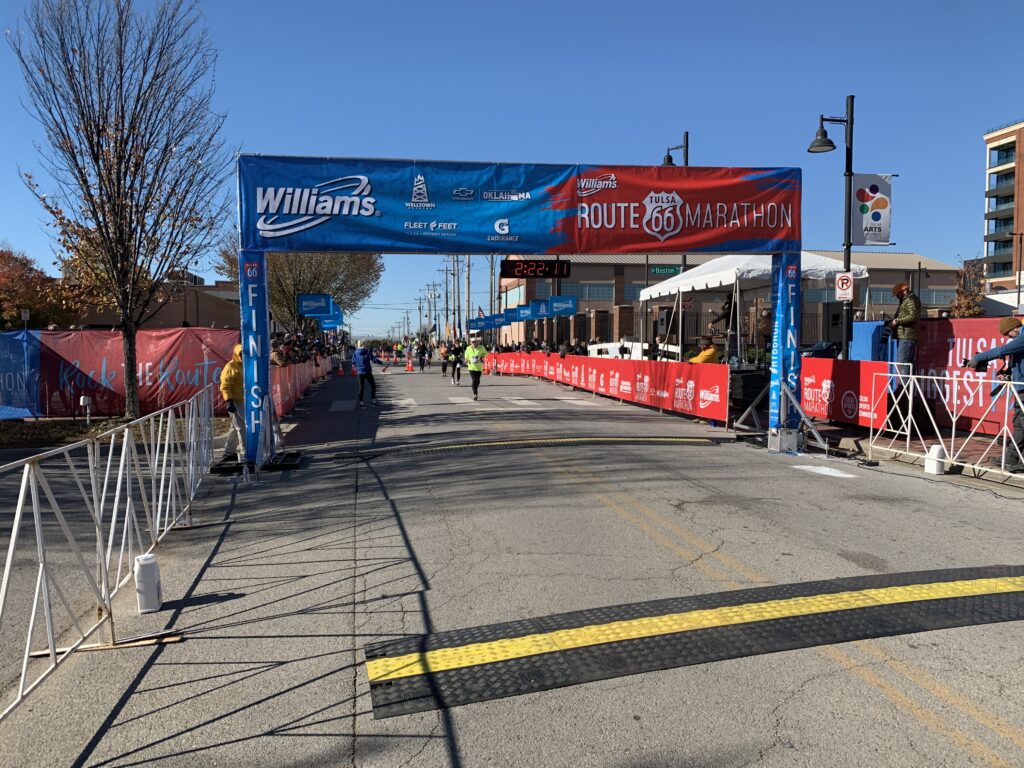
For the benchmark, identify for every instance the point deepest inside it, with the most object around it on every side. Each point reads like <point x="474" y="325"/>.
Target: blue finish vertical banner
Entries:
<point x="252" y="271"/>
<point x="785" y="369"/>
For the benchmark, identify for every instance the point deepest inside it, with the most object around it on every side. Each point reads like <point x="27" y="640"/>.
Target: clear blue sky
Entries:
<point x="605" y="82"/>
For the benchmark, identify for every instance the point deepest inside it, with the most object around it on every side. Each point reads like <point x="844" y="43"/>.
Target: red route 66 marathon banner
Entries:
<point x="698" y="390"/>
<point x="841" y="390"/>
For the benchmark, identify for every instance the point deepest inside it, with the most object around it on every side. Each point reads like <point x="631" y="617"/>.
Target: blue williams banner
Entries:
<point x="511" y="315"/>
<point x="315" y="305"/>
<point x="399" y="206"/>
<point x="524" y="312"/>
<point x="540" y="309"/>
<point x="563" y="305"/>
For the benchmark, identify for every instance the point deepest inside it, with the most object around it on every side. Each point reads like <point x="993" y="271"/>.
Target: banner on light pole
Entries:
<point x="871" y="208"/>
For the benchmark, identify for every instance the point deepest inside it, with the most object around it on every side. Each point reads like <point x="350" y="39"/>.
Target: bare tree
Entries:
<point x="132" y="146"/>
<point x="969" y="279"/>
<point x="349" y="278"/>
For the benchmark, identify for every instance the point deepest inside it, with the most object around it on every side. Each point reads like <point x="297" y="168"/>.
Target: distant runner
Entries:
<point x="475" y="354"/>
<point x="455" y="361"/>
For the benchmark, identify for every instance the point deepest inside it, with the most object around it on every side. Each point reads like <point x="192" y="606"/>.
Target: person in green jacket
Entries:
<point x="904" y="323"/>
<point x="474" y="356"/>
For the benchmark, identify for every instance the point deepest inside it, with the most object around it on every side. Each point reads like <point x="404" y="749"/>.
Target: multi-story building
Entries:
<point x="1003" y="188"/>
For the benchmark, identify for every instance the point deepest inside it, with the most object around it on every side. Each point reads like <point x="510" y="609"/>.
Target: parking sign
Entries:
<point x="844" y="286"/>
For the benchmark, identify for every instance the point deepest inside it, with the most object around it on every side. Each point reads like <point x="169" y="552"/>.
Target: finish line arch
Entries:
<point x="438" y="207"/>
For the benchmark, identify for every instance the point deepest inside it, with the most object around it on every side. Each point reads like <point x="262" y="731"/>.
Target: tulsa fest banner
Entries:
<point x="698" y="390"/>
<point x="411" y="206"/>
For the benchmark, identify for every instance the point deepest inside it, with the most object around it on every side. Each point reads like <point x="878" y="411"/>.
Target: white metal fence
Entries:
<point x="77" y="517"/>
<point x="970" y="419"/>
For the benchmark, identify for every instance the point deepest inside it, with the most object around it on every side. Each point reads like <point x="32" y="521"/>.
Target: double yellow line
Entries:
<point x="734" y="573"/>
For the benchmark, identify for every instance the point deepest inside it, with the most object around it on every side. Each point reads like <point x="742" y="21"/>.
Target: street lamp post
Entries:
<point x="1016" y="263"/>
<point x="822" y="143"/>
<point x="669" y="163"/>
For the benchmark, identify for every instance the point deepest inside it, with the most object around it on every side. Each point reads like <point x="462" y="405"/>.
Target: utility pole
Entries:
<point x="491" y="284"/>
<point x="419" y="308"/>
<point x="469" y="296"/>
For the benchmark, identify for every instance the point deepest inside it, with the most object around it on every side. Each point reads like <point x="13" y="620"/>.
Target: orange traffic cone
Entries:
<point x="408" y="365"/>
<point x="353" y="370"/>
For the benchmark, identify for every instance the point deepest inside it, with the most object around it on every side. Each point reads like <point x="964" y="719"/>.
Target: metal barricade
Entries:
<point x="81" y="514"/>
<point x="970" y="418"/>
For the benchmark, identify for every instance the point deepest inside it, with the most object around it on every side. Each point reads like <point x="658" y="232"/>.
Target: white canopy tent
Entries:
<point x="751" y="271"/>
<point x="736" y="272"/>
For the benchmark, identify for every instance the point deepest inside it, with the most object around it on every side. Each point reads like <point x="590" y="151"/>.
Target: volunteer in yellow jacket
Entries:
<point x="708" y="352"/>
<point x="232" y="388"/>
<point x="474" y="357"/>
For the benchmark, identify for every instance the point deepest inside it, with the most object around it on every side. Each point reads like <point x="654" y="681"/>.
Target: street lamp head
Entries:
<point x="821" y="143"/>
<point x="667" y="161"/>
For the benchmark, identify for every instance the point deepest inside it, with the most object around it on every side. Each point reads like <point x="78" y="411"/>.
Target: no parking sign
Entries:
<point x="844" y="286"/>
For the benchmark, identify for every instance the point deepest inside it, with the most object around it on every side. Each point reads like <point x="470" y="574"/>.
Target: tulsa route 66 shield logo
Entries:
<point x="664" y="216"/>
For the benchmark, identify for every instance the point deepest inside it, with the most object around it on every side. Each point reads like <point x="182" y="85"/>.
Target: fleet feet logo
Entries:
<point x="850" y="404"/>
<point x="872" y="202"/>
<point x="287" y="210"/>
<point x="664" y="215"/>
<point x="709" y="396"/>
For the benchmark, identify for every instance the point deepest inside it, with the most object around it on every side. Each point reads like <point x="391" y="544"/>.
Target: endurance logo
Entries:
<point x="286" y="210"/>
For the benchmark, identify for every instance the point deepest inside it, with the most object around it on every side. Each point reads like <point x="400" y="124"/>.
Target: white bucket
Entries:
<point x="147" y="584"/>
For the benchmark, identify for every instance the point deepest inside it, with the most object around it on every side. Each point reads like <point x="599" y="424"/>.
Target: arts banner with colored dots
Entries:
<point x="872" y="209"/>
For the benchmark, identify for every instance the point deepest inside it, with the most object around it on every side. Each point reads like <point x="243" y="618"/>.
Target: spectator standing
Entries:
<point x="654" y="349"/>
<point x="904" y="323"/>
<point x="1013" y="454"/>
<point x="475" y="354"/>
<point x="362" y="361"/>
<point x="708" y="352"/>
<point x="764" y="330"/>
<point x="232" y="389"/>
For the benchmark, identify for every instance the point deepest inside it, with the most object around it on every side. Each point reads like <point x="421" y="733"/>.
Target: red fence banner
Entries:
<point x="841" y="390"/>
<point x="289" y="382"/>
<point x="698" y="390"/>
<point x="942" y="344"/>
<point x="173" y="365"/>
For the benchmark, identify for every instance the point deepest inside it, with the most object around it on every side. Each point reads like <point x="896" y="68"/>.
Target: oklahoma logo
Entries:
<point x="664" y="216"/>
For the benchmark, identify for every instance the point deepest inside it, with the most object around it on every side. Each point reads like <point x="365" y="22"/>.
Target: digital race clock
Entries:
<point x="534" y="268"/>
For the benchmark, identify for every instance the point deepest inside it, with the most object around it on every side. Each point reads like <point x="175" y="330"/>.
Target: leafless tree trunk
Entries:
<point x="132" y="146"/>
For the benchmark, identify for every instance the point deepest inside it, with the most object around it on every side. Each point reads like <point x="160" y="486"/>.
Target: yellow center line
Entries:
<point x="980" y="715"/>
<point x="472" y="654"/>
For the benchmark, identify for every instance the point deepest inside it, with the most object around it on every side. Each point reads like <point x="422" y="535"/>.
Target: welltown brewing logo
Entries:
<point x="287" y="210"/>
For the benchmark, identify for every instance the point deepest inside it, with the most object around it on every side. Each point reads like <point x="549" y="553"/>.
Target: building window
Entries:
<point x="934" y="297"/>
<point x="819" y="295"/>
<point x="514" y="297"/>
<point x="883" y="296"/>
<point x="1007" y="153"/>
<point x="998" y="226"/>
<point x="1000" y="248"/>
<point x="1003" y="179"/>
<point x="1002" y="269"/>
<point x="1000" y="203"/>
<point x="631" y="292"/>
<point x="542" y="290"/>
<point x="589" y="291"/>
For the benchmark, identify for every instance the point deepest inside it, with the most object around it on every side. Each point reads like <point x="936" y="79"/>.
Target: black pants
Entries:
<point x="444" y="367"/>
<point x="363" y="378"/>
<point x="423" y="363"/>
<point x="456" y="372"/>
<point x="1011" y="457"/>
<point x="475" y="376"/>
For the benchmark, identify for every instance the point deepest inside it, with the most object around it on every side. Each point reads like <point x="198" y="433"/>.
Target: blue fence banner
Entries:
<point x="511" y="315"/>
<point x="496" y="321"/>
<point x="541" y="310"/>
<point x="315" y="305"/>
<point x="563" y="305"/>
<point x="476" y="324"/>
<point x="19" y="375"/>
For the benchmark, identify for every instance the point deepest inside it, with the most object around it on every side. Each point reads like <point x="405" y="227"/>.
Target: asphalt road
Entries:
<point x="286" y="580"/>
